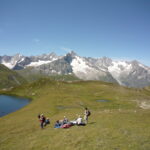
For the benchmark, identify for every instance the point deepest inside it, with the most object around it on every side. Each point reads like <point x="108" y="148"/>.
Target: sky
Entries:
<point x="119" y="29"/>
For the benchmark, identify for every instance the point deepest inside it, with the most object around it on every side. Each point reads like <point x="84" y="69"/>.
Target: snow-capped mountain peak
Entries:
<point x="11" y="61"/>
<point x="128" y="73"/>
<point x="19" y="62"/>
<point x="79" y="65"/>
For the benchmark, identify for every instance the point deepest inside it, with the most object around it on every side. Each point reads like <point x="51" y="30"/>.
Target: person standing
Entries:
<point x="86" y="115"/>
<point x="42" y="121"/>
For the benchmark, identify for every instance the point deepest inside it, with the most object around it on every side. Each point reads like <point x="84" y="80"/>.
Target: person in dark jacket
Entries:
<point x="47" y="121"/>
<point x="42" y="121"/>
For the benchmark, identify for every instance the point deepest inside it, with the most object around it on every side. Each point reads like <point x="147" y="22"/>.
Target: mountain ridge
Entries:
<point x="126" y="73"/>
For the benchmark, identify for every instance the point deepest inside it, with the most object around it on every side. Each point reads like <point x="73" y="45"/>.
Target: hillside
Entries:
<point x="119" y="124"/>
<point x="9" y="78"/>
<point x="32" y="75"/>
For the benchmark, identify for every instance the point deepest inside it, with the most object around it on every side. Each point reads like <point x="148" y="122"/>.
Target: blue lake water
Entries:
<point x="10" y="104"/>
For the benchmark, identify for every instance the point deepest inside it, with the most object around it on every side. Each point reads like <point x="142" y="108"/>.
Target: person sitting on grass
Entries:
<point x="65" y="120"/>
<point x="57" y="124"/>
<point x="79" y="121"/>
<point x="47" y="121"/>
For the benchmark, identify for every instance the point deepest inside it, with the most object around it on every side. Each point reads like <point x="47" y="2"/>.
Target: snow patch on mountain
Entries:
<point x="11" y="61"/>
<point x="22" y="59"/>
<point x="40" y="62"/>
<point x="8" y="65"/>
<point x="144" y="67"/>
<point x="85" y="70"/>
<point x="119" y="67"/>
<point x="78" y="65"/>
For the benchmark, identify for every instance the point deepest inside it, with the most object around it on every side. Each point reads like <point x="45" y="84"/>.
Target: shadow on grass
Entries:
<point x="91" y="122"/>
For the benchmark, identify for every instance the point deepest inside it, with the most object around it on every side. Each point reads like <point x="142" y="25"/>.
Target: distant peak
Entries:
<point x="72" y="53"/>
<point x="106" y="58"/>
<point x="18" y="54"/>
<point x="52" y="53"/>
<point x="135" y="62"/>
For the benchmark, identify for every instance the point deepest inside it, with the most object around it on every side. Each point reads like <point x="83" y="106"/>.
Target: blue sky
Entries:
<point x="119" y="29"/>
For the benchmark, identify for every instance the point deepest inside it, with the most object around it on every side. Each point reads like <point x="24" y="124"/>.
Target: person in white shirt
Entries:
<point x="86" y="115"/>
<point x="79" y="120"/>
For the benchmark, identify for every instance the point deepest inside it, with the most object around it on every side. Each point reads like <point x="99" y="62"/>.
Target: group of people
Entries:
<point x="65" y="123"/>
<point x="43" y="120"/>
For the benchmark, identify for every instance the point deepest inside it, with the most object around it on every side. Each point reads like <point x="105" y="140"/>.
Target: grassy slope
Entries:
<point x="116" y="125"/>
<point x="31" y="76"/>
<point x="9" y="78"/>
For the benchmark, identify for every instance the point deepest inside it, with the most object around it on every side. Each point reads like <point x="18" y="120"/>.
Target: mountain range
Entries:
<point x="126" y="73"/>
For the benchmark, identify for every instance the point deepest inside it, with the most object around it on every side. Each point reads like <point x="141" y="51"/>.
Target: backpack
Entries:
<point x="88" y="113"/>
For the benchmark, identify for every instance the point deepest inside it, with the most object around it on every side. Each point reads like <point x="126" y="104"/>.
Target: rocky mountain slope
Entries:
<point x="126" y="73"/>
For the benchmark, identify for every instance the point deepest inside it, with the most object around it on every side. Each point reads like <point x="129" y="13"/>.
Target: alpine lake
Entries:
<point x="9" y="104"/>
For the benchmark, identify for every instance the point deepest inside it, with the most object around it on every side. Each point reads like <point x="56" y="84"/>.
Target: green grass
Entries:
<point x="9" y="78"/>
<point x="116" y="125"/>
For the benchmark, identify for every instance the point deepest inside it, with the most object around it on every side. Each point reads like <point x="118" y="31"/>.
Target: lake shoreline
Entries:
<point x="11" y="103"/>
